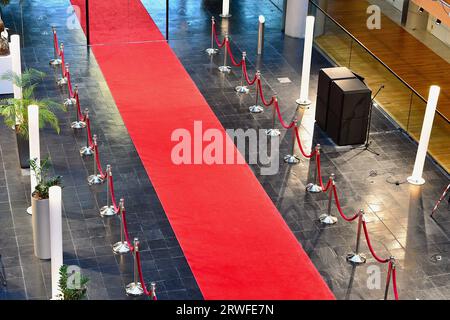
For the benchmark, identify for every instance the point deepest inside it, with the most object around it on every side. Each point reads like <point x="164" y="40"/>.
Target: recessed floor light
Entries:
<point x="284" y="80"/>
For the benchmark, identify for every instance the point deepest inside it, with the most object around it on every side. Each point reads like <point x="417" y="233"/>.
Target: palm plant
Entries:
<point x="15" y="110"/>
<point x="44" y="182"/>
<point x="70" y="289"/>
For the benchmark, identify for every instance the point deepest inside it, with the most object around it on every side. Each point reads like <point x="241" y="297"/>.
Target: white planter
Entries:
<point x="6" y="87"/>
<point x="41" y="228"/>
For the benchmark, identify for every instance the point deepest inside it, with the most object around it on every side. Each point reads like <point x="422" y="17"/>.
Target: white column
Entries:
<point x="16" y="63"/>
<point x="34" y="142"/>
<point x="306" y="68"/>
<point x="427" y="126"/>
<point x="296" y="12"/>
<point x="56" y="239"/>
<point x="225" y="9"/>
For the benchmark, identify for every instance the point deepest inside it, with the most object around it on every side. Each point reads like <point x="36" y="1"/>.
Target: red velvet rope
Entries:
<point x="141" y="277"/>
<point x="312" y="154"/>
<point x="261" y="94"/>
<point x="319" y="173"/>
<point x="216" y="38"/>
<point x="230" y="53"/>
<point x="77" y="98"/>
<point x="366" y="234"/>
<point x="55" y="43"/>
<point x="99" y="165"/>
<point x="125" y="230"/>
<point x="280" y="117"/>
<point x="338" y="205"/>
<point x="394" y="282"/>
<point x="69" y="85"/>
<point x="112" y="193"/>
<point x="63" y="63"/>
<point x="88" y="128"/>
<point x="244" y="70"/>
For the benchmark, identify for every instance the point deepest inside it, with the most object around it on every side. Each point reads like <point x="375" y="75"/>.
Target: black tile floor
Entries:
<point x="397" y="215"/>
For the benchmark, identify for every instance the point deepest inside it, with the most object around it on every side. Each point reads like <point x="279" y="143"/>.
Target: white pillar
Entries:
<point x="427" y="126"/>
<point x="56" y="239"/>
<point x="225" y="9"/>
<point x="296" y="12"/>
<point x="306" y="68"/>
<point x="16" y="63"/>
<point x="34" y="142"/>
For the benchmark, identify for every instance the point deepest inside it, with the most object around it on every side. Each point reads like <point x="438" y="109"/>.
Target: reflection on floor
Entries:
<point x="398" y="215"/>
<point x="405" y="55"/>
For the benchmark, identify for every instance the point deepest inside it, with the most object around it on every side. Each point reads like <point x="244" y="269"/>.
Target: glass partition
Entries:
<point x="399" y="100"/>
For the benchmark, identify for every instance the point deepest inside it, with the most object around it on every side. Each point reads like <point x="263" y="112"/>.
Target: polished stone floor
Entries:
<point x="397" y="213"/>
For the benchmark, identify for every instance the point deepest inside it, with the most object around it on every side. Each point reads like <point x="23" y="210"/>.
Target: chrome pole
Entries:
<point x="122" y="246"/>
<point x="70" y="101"/>
<point x="78" y="124"/>
<point x="242" y="88"/>
<point x="357" y="258"/>
<point x="56" y="61"/>
<point x="63" y="80"/>
<point x="86" y="150"/>
<point x="108" y="210"/>
<point x="211" y="50"/>
<point x="256" y="108"/>
<point x="292" y="158"/>
<point x="225" y="68"/>
<point x="313" y="187"/>
<point x="273" y="132"/>
<point x="327" y="218"/>
<point x="134" y="288"/>
<point x="95" y="179"/>
<point x="389" y="276"/>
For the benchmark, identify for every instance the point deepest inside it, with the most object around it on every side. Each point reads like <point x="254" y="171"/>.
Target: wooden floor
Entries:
<point x="407" y="57"/>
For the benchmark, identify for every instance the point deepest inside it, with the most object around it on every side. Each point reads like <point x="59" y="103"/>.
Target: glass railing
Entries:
<point x="398" y="99"/>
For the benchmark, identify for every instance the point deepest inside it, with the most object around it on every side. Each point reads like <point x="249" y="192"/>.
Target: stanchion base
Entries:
<point x="416" y="182"/>
<point x="291" y="159"/>
<point x="86" y="151"/>
<point x="242" y="89"/>
<point x="55" y="62"/>
<point x="30" y="211"/>
<point x="70" y="102"/>
<point x="273" y="132"/>
<point x="134" y="289"/>
<point x="107" y="211"/>
<point x="212" y="51"/>
<point x="121" y="248"/>
<point x="303" y="102"/>
<point x="256" y="109"/>
<point x="225" y="69"/>
<point x="356" y="259"/>
<point x="78" y="125"/>
<point x="313" y="188"/>
<point x="61" y="82"/>
<point x="225" y="15"/>
<point x="327" y="219"/>
<point x="95" y="179"/>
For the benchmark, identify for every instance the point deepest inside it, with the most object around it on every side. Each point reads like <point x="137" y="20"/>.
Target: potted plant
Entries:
<point x="15" y="110"/>
<point x="73" y="286"/>
<point x="40" y="207"/>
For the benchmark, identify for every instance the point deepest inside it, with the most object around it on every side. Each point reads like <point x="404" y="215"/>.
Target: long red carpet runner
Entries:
<point x="235" y="240"/>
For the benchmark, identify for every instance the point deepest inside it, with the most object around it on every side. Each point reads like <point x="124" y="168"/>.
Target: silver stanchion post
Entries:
<point x="256" y="108"/>
<point x="87" y="149"/>
<point x="122" y="246"/>
<point x="134" y="288"/>
<point x="242" y="88"/>
<point x="327" y="218"/>
<point x="292" y="158"/>
<point x="63" y="80"/>
<point x="211" y="50"/>
<point x="153" y="290"/>
<point x="71" y="101"/>
<point x="225" y="68"/>
<point x="78" y="124"/>
<point x="262" y="22"/>
<point x="357" y="258"/>
<point x="389" y="277"/>
<point x="108" y="210"/>
<point x="273" y="132"/>
<point x="95" y="178"/>
<point x="56" y="61"/>
<point x="313" y="187"/>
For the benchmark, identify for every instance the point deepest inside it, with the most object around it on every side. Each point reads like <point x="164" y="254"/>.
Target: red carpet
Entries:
<point x="234" y="239"/>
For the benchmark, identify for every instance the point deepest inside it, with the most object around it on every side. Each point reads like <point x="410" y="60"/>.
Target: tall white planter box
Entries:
<point x="6" y="87"/>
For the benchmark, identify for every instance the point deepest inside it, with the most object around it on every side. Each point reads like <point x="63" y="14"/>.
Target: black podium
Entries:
<point x="348" y="111"/>
<point x="326" y="78"/>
